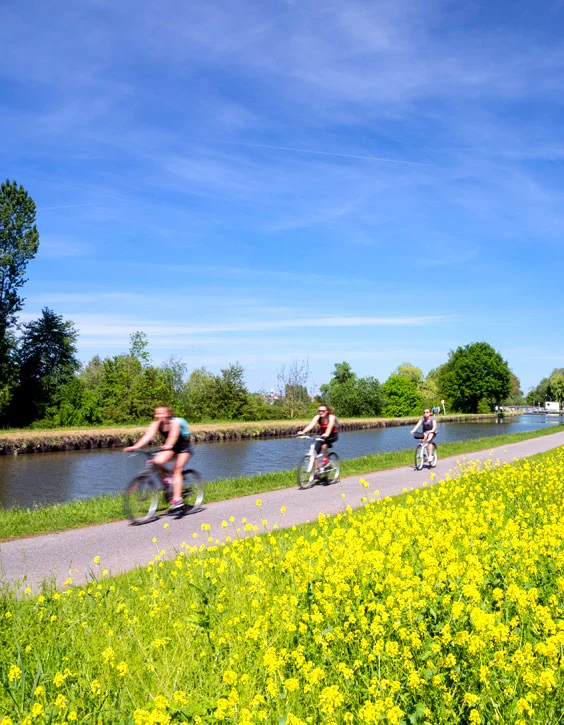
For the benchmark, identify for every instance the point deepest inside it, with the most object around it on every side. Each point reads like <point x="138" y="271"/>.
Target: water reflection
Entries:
<point x="54" y="477"/>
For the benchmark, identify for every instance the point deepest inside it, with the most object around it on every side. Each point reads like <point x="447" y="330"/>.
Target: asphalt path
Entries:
<point x="121" y="547"/>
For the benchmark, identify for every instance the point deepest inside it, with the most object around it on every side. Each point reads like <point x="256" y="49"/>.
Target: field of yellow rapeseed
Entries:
<point x="442" y="606"/>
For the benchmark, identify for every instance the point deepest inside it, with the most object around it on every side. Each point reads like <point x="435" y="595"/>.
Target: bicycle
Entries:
<point x="141" y="497"/>
<point x="308" y="474"/>
<point x="422" y="453"/>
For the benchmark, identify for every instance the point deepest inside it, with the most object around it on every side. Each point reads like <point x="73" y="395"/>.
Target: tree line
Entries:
<point x="42" y="382"/>
<point x="550" y="388"/>
<point x="51" y="389"/>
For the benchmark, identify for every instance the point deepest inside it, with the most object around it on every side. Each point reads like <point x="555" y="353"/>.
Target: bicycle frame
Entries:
<point x="157" y="473"/>
<point x="311" y="453"/>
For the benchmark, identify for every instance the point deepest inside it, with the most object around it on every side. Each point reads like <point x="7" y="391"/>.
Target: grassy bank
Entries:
<point x="440" y="606"/>
<point x="69" y="439"/>
<point x="19" y="522"/>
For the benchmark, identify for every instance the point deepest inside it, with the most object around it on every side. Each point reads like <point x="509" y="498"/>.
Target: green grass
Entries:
<point x="21" y="522"/>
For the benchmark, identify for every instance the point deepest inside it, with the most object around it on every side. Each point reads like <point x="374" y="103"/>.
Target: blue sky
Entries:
<point x="376" y="182"/>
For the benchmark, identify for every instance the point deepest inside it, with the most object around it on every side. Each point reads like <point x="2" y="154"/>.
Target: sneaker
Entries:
<point x="325" y="461"/>
<point x="176" y="504"/>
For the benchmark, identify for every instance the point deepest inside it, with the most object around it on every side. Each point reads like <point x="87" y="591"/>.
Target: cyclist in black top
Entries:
<point x="176" y="437"/>
<point x="328" y="431"/>
<point x="429" y="424"/>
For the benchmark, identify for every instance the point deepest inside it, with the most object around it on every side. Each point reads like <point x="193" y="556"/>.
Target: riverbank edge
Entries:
<point x="68" y="439"/>
<point x="20" y="523"/>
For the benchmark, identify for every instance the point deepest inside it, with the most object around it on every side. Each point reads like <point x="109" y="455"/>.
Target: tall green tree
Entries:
<point x="19" y="241"/>
<point x="76" y="405"/>
<point x="515" y="396"/>
<point x="230" y="392"/>
<point x="411" y="372"/>
<point x="129" y="387"/>
<point x="556" y="386"/>
<point x="197" y="397"/>
<point x="474" y="374"/>
<point x="351" y="396"/>
<point x="47" y="361"/>
<point x="539" y="394"/>
<point x="402" y="398"/>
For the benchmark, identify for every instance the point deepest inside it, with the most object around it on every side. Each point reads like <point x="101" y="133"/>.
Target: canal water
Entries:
<point x="43" y="478"/>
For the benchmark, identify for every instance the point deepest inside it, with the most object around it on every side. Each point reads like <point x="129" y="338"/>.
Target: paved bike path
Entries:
<point x="122" y="547"/>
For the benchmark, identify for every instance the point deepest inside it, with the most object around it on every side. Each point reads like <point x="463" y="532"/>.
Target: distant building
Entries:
<point x="552" y="407"/>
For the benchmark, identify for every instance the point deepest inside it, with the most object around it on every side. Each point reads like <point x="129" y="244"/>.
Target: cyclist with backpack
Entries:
<point x="176" y="442"/>
<point x="328" y="426"/>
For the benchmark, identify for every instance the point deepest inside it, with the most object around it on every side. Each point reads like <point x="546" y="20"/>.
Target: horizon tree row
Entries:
<point x="51" y="389"/>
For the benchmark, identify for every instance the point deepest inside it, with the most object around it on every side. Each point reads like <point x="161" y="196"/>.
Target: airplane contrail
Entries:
<point x="328" y="153"/>
<point x="65" y="206"/>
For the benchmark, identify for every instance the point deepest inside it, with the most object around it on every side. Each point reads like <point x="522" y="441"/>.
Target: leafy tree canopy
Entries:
<point x="351" y="396"/>
<point x="556" y="386"/>
<point x="401" y="396"/>
<point x="411" y="372"/>
<point x="474" y="373"/>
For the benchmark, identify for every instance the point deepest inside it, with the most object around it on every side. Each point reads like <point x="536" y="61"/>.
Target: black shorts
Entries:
<point x="182" y="445"/>
<point x="327" y="441"/>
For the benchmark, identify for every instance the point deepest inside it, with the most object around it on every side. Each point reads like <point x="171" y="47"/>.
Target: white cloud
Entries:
<point x="111" y="327"/>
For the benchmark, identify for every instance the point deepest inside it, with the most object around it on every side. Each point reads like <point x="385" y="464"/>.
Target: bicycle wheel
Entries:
<point x="305" y="473"/>
<point x="434" y="458"/>
<point x="419" y="457"/>
<point x="332" y="469"/>
<point x="192" y="490"/>
<point x="141" y="499"/>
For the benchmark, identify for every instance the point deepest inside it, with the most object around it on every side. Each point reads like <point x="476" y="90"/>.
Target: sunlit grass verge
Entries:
<point x="18" y="522"/>
<point x="443" y="605"/>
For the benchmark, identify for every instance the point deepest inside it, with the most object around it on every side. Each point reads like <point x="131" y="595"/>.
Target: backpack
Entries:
<point x="184" y="427"/>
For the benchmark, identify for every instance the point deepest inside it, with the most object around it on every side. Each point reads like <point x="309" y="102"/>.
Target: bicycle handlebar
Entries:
<point x="142" y="452"/>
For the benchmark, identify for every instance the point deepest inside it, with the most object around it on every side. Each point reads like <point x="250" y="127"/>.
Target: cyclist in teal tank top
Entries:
<point x="176" y="442"/>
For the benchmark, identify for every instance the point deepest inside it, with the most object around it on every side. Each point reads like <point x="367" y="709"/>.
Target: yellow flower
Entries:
<point x="179" y="696"/>
<point x="36" y="710"/>
<point x="331" y="699"/>
<point x="161" y="703"/>
<point x="291" y="684"/>
<point x="230" y="677"/>
<point x="96" y="559"/>
<point x="14" y="673"/>
<point x="122" y="669"/>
